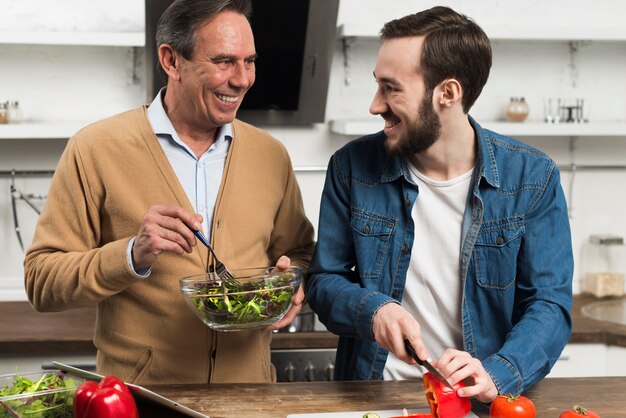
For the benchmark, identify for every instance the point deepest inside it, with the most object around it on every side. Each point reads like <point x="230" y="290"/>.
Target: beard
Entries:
<point x="419" y="133"/>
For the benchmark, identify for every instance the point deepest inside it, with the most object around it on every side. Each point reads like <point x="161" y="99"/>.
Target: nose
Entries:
<point x="378" y="106"/>
<point x="243" y="76"/>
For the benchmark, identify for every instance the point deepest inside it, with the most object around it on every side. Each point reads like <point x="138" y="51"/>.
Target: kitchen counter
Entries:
<point x="603" y="395"/>
<point x="25" y="331"/>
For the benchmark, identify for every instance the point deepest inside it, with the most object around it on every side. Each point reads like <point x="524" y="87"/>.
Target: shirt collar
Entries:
<point x="163" y="126"/>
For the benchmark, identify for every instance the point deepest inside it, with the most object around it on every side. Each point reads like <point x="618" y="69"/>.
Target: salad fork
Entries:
<point x="221" y="270"/>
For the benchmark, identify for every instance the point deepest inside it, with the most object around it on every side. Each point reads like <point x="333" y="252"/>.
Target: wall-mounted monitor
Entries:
<point x="294" y="40"/>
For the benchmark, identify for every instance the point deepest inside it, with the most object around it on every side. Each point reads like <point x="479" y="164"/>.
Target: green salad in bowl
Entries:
<point x="259" y="298"/>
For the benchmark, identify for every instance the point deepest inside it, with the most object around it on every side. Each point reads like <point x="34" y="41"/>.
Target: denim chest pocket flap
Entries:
<point x="372" y="239"/>
<point x="495" y="253"/>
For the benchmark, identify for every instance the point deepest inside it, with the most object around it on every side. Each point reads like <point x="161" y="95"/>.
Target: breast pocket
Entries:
<point x="495" y="253"/>
<point x="372" y="235"/>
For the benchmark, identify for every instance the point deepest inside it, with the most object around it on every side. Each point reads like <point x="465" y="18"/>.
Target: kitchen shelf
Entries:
<point x="127" y="39"/>
<point x="527" y="129"/>
<point x="40" y="130"/>
<point x="511" y="33"/>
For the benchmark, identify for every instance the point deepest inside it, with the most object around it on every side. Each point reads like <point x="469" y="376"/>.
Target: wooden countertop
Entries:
<point x="603" y="395"/>
<point x="25" y="331"/>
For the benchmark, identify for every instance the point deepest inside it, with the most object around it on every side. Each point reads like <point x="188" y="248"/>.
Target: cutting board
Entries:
<point x="359" y="414"/>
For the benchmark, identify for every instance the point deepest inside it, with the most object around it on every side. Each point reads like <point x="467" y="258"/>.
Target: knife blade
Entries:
<point x="426" y="364"/>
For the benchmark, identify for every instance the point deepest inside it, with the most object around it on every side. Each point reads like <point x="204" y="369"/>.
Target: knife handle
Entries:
<point x="412" y="353"/>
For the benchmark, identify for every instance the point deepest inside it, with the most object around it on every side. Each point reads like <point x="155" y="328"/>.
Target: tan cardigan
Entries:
<point x="109" y="175"/>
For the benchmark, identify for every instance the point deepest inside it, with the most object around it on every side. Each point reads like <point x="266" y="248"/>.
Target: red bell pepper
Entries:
<point x="110" y="398"/>
<point x="444" y="402"/>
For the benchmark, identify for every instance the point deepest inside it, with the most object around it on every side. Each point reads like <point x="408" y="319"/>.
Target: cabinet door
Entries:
<point x="616" y="361"/>
<point x="578" y="360"/>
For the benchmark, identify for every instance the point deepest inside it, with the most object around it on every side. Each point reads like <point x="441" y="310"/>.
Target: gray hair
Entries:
<point x="179" y="24"/>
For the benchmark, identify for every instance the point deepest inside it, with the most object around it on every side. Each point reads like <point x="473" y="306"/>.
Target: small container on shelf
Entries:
<point x="14" y="112"/>
<point x="604" y="265"/>
<point x="4" y="112"/>
<point x="517" y="110"/>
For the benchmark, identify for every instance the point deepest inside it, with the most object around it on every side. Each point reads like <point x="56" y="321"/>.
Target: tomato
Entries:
<point x="512" y="406"/>
<point x="578" y="411"/>
<point x="443" y="401"/>
<point x="416" y="415"/>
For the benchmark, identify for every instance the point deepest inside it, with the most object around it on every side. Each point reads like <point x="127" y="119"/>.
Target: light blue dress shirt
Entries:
<point x="200" y="177"/>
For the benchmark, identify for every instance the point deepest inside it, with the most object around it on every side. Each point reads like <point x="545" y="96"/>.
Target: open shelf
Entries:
<point x="511" y="33"/>
<point x="40" y="130"/>
<point x="128" y="39"/>
<point x="535" y="129"/>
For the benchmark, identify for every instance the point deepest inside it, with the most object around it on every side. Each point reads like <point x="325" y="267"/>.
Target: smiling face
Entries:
<point x="211" y="86"/>
<point x="411" y="123"/>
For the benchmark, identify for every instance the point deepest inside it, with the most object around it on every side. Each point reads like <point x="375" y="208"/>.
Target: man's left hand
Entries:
<point x="297" y="300"/>
<point x="457" y="365"/>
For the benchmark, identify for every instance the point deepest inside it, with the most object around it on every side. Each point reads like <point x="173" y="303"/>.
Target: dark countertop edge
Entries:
<point x="52" y="336"/>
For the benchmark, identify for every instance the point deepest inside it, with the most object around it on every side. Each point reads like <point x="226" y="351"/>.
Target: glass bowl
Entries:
<point x="260" y="298"/>
<point x="47" y="393"/>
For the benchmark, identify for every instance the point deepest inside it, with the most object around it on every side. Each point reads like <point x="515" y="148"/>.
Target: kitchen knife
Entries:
<point x="425" y="363"/>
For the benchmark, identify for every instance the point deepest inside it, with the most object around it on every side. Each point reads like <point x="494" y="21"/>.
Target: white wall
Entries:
<point x="86" y="83"/>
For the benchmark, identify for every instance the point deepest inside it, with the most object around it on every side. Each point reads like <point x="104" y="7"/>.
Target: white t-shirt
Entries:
<point x="432" y="291"/>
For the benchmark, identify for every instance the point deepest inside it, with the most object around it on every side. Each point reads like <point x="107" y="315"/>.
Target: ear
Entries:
<point x="169" y="61"/>
<point x="449" y="92"/>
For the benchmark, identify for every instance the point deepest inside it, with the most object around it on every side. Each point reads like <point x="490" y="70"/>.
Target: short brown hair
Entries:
<point x="454" y="47"/>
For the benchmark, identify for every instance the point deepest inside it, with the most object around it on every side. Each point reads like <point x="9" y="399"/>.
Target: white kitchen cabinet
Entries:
<point x="616" y="361"/>
<point x="583" y="360"/>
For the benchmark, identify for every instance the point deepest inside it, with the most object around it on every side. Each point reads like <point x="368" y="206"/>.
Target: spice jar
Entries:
<point x="14" y="112"/>
<point x="517" y="110"/>
<point x="4" y="112"/>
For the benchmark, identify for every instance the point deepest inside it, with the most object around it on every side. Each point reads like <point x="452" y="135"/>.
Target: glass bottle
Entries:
<point x="517" y="110"/>
<point x="14" y="112"/>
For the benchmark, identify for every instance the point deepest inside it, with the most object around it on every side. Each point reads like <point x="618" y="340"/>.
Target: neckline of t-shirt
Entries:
<point x="438" y="183"/>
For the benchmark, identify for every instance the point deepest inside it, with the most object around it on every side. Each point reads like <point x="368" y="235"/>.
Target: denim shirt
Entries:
<point x="516" y="259"/>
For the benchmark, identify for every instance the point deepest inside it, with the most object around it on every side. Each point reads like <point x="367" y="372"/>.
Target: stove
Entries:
<point x="304" y="365"/>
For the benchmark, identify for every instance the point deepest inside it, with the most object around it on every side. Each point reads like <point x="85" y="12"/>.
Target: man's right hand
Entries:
<point x="392" y="325"/>
<point x="164" y="228"/>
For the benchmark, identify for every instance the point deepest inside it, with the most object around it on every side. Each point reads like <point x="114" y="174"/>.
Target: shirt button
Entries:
<point x="407" y="202"/>
<point x="366" y="229"/>
<point x="500" y="241"/>
<point x="406" y="250"/>
<point x="395" y="294"/>
<point x="374" y="376"/>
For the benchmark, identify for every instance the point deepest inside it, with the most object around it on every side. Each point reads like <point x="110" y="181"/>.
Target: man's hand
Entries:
<point x="164" y="228"/>
<point x="297" y="300"/>
<point x="457" y="365"/>
<point x="392" y="325"/>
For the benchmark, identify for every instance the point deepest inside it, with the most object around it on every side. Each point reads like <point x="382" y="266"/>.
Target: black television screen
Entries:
<point x="294" y="41"/>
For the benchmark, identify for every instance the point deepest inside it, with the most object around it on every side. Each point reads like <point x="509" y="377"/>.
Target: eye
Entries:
<point x="249" y="63"/>
<point x="223" y="63"/>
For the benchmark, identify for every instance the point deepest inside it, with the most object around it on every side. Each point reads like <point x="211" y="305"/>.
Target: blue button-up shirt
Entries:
<point x="200" y="177"/>
<point x="516" y="257"/>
